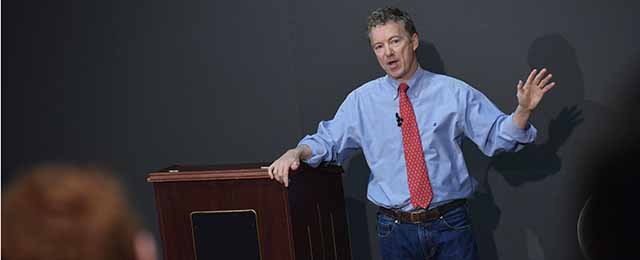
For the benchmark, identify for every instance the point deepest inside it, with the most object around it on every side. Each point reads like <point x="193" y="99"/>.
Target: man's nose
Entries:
<point x="388" y="51"/>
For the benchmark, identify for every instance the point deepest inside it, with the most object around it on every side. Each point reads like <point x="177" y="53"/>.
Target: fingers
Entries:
<point x="279" y="170"/>
<point x="270" y="171"/>
<point x="546" y="80"/>
<point x="539" y="77"/>
<point x="274" y="170"/>
<point x="548" y="87"/>
<point x="284" y="177"/>
<point x="531" y="75"/>
<point x="519" y="86"/>
<point x="294" y="166"/>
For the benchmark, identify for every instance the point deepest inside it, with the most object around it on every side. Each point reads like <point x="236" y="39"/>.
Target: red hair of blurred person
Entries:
<point x="70" y="212"/>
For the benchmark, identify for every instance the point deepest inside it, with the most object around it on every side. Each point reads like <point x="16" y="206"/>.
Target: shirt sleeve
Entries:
<point x="491" y="129"/>
<point x="337" y="138"/>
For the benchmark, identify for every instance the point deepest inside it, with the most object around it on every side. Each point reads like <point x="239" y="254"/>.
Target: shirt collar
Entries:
<point x="394" y="84"/>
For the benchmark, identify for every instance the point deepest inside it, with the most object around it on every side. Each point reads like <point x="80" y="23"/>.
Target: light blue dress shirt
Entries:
<point x="446" y="110"/>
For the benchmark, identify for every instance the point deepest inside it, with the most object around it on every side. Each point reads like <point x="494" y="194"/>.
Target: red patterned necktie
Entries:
<point x="417" y="174"/>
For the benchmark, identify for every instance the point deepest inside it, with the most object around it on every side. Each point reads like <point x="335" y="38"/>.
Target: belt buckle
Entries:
<point x="417" y="216"/>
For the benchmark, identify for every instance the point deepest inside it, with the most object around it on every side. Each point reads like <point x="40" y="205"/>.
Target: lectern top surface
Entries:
<point x="216" y="168"/>
<point x="210" y="172"/>
<point x="224" y="172"/>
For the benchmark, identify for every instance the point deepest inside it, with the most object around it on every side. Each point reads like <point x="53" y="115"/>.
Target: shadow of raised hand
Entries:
<point x="536" y="161"/>
<point x="561" y="127"/>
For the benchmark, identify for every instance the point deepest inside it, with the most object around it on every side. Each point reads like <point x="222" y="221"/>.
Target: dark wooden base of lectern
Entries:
<point x="238" y="212"/>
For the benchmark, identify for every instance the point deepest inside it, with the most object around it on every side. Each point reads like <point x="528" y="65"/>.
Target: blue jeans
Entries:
<point x="449" y="237"/>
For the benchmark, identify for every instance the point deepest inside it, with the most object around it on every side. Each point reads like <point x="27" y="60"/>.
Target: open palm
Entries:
<point x="531" y="92"/>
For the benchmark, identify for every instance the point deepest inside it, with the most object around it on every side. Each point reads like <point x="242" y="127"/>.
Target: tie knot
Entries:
<point x="403" y="87"/>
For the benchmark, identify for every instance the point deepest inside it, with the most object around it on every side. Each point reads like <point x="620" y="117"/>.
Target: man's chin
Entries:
<point x="396" y="74"/>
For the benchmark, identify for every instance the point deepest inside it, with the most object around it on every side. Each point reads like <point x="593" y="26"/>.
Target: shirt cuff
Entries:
<point x="317" y="152"/>
<point x="512" y="132"/>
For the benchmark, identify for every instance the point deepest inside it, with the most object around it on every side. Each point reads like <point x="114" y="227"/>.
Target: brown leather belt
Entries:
<point x="422" y="216"/>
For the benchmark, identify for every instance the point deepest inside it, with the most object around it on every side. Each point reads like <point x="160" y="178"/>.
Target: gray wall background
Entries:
<point x="140" y="85"/>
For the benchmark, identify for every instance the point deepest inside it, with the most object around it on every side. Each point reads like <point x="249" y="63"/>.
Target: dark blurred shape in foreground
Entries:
<point x="70" y="212"/>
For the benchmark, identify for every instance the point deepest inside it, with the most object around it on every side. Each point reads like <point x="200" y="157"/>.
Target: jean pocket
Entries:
<point x="456" y="219"/>
<point x="385" y="225"/>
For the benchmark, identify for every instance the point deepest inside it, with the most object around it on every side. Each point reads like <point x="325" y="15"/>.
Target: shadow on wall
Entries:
<point x="360" y="212"/>
<point x="539" y="191"/>
<point x="429" y="58"/>
<point x="578" y="173"/>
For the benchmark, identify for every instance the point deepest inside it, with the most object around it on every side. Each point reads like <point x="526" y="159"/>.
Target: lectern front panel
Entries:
<point x="225" y="234"/>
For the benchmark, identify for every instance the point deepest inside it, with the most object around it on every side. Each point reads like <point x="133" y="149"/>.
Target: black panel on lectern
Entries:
<point x="225" y="235"/>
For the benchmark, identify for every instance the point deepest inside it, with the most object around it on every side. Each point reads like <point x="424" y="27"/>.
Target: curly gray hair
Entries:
<point x="381" y="16"/>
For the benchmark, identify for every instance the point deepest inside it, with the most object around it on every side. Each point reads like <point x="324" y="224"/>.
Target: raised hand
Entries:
<point x="531" y="92"/>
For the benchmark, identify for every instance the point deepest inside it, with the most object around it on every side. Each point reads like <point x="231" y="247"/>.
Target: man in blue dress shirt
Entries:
<point x="446" y="110"/>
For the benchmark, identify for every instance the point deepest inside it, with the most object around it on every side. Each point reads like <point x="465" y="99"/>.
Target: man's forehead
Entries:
<point x="388" y="29"/>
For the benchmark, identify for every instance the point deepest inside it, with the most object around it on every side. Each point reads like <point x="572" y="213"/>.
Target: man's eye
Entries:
<point x="395" y="41"/>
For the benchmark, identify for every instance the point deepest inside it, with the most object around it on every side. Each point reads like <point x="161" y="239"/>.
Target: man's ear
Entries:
<point x="415" y="41"/>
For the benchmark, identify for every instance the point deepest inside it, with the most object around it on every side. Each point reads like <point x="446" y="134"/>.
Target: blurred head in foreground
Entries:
<point x="70" y="212"/>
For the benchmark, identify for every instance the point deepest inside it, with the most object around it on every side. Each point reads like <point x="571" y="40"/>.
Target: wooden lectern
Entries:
<point x="238" y="212"/>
